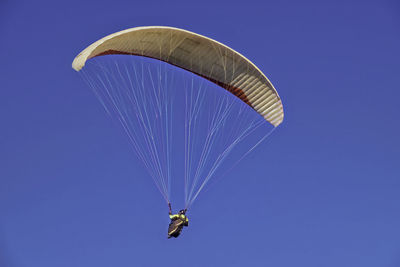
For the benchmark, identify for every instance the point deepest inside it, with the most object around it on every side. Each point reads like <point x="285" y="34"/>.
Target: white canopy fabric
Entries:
<point x="198" y="54"/>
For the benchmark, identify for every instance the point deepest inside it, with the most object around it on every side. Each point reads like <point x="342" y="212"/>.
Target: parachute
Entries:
<point x="171" y="66"/>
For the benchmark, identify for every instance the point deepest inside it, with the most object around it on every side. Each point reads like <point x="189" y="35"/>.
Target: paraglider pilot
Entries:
<point x="178" y="221"/>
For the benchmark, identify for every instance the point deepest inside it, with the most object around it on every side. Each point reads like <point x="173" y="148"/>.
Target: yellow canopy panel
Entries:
<point x="199" y="55"/>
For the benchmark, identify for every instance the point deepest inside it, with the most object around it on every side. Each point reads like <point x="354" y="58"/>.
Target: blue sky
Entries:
<point x="324" y="190"/>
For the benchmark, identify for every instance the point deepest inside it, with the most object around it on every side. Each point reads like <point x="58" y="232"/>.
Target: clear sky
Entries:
<point x="324" y="190"/>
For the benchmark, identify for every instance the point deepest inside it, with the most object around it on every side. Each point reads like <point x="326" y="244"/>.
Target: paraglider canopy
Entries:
<point x="198" y="54"/>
